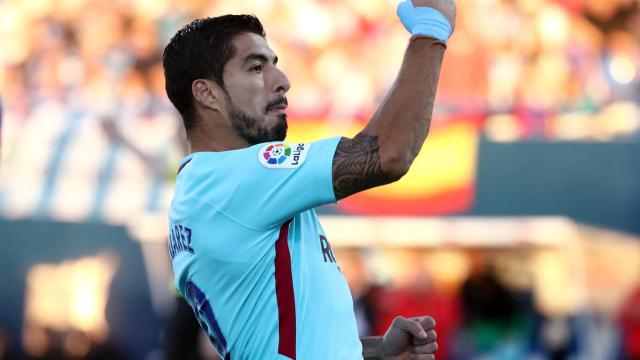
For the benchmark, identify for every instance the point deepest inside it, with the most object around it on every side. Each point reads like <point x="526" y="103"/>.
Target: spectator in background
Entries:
<point x="493" y="326"/>
<point x="629" y="318"/>
<point x="8" y="351"/>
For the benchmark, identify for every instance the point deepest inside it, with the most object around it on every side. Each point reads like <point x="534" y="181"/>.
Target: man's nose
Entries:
<point x="281" y="84"/>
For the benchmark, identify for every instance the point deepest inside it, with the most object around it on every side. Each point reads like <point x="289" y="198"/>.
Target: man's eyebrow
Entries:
<point x="260" y="57"/>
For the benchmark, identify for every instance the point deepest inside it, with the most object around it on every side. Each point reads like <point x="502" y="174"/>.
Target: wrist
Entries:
<point x="430" y="39"/>
<point x="372" y="348"/>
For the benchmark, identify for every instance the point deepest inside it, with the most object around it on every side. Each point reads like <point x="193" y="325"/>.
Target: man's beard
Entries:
<point x="253" y="129"/>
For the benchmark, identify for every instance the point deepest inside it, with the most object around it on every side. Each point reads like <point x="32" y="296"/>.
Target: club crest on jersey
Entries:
<point x="283" y="155"/>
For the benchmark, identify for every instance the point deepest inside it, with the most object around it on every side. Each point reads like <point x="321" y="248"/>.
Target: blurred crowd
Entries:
<point x="61" y="345"/>
<point x="488" y="315"/>
<point x="88" y="133"/>
<point x="567" y="69"/>
<point x="484" y="316"/>
<point x="487" y="303"/>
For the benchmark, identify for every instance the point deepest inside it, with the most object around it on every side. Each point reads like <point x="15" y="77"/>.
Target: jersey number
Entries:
<point x="206" y="318"/>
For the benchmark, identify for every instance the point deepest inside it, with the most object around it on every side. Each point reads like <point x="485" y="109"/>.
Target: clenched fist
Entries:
<point x="413" y="338"/>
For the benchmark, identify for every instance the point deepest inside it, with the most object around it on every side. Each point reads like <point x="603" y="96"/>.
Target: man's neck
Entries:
<point x="214" y="138"/>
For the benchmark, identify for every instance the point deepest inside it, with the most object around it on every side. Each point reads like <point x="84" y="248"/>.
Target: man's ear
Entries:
<point x="207" y="93"/>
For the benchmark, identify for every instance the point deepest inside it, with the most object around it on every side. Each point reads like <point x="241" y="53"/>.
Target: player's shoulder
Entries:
<point x="252" y="160"/>
<point x="276" y="154"/>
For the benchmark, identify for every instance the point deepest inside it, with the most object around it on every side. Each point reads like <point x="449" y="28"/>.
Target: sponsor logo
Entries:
<point x="283" y="155"/>
<point x="276" y="153"/>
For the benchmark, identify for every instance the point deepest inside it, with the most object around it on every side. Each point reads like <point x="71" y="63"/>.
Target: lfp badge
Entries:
<point x="276" y="153"/>
<point x="283" y="155"/>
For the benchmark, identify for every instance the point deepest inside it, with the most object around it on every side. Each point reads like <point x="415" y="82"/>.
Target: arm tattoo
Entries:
<point x="356" y="166"/>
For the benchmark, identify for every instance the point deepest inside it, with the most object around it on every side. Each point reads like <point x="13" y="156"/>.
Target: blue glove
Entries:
<point x="424" y="21"/>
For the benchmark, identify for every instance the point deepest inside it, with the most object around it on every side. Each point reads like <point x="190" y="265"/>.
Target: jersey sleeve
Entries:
<point x="275" y="181"/>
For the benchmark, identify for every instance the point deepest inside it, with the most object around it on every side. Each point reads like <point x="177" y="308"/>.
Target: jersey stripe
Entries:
<point x="285" y="297"/>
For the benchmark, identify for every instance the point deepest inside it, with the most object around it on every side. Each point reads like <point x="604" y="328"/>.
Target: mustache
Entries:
<point x="280" y="100"/>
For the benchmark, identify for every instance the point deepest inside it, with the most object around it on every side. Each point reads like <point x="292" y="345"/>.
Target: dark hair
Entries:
<point x="200" y="50"/>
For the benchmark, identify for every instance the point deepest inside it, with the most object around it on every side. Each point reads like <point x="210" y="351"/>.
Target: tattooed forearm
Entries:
<point x="356" y="166"/>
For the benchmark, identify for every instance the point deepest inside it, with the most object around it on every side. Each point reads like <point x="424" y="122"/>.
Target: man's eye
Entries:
<point x="256" y="68"/>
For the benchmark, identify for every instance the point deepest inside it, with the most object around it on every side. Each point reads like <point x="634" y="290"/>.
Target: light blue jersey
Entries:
<point x="251" y="257"/>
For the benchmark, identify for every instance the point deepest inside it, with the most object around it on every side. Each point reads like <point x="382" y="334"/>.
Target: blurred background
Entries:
<point x="517" y="229"/>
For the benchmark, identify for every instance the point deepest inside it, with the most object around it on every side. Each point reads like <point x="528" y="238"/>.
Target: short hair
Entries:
<point x="200" y="50"/>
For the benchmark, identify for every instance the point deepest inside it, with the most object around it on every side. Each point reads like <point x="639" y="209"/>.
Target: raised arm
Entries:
<point x="385" y="149"/>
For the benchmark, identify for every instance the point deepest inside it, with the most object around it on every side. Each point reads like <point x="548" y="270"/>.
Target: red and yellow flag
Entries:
<point x="441" y="180"/>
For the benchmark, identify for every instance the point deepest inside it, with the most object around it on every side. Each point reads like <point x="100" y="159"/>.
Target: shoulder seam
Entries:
<point x="229" y="216"/>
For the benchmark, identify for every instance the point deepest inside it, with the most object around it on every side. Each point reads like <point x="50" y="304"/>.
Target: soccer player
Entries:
<point x="247" y="249"/>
